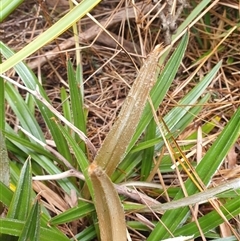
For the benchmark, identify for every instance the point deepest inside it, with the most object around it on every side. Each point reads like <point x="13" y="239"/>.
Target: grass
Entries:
<point x="115" y="143"/>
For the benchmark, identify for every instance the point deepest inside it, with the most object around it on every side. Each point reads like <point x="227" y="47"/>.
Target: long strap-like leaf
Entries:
<point x="116" y="143"/>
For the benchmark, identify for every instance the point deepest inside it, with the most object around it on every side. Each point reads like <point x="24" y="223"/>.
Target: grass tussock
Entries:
<point x="121" y="144"/>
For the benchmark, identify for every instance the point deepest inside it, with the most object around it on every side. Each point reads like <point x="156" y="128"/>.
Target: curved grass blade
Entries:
<point x="177" y="119"/>
<point x="21" y="110"/>
<point x="134" y="157"/>
<point x="8" y="6"/>
<point x="108" y="206"/>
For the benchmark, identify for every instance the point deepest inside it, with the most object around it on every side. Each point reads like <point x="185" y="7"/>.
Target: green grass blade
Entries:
<point x="30" y="80"/>
<point x="212" y="219"/>
<point x="14" y="227"/>
<point x="2" y="101"/>
<point x="77" y="105"/>
<point x="82" y="161"/>
<point x="148" y="154"/>
<point x="20" y="204"/>
<point x="66" y="104"/>
<point x="31" y="229"/>
<point x="88" y="234"/>
<point x="5" y="195"/>
<point x="206" y="169"/>
<point x="177" y="113"/>
<point x="132" y="160"/>
<point x="21" y="110"/>
<point x="8" y="6"/>
<point x="194" y="13"/>
<point x="51" y="33"/>
<point x="80" y="211"/>
<point x="24" y="144"/>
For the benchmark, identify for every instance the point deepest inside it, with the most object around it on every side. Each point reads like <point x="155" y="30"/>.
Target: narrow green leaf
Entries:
<point x="30" y="81"/>
<point x="206" y="169"/>
<point x="211" y="220"/>
<point x="77" y="105"/>
<point x="23" y="144"/>
<point x="14" y="227"/>
<point x="148" y="154"/>
<point x="195" y="12"/>
<point x="5" y="194"/>
<point x="65" y="104"/>
<point x="8" y="6"/>
<point x="21" y="110"/>
<point x="88" y="234"/>
<point x="31" y="228"/>
<point x="133" y="158"/>
<point x="184" y="105"/>
<point x="51" y="33"/>
<point x="20" y="204"/>
<point x="2" y="101"/>
<point x="80" y="211"/>
<point x="80" y="156"/>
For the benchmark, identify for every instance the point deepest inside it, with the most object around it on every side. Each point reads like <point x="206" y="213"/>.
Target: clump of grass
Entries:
<point x="168" y="141"/>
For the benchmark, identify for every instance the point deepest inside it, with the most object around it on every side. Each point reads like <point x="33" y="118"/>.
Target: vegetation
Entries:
<point x="122" y="137"/>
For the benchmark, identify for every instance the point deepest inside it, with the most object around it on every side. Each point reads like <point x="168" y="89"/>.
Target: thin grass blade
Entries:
<point x="80" y="211"/>
<point x="206" y="169"/>
<point x="50" y="34"/>
<point x="14" y="227"/>
<point x="20" y="204"/>
<point x="212" y="219"/>
<point x="31" y="229"/>
<point x="30" y="81"/>
<point x="77" y="105"/>
<point x="148" y="154"/>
